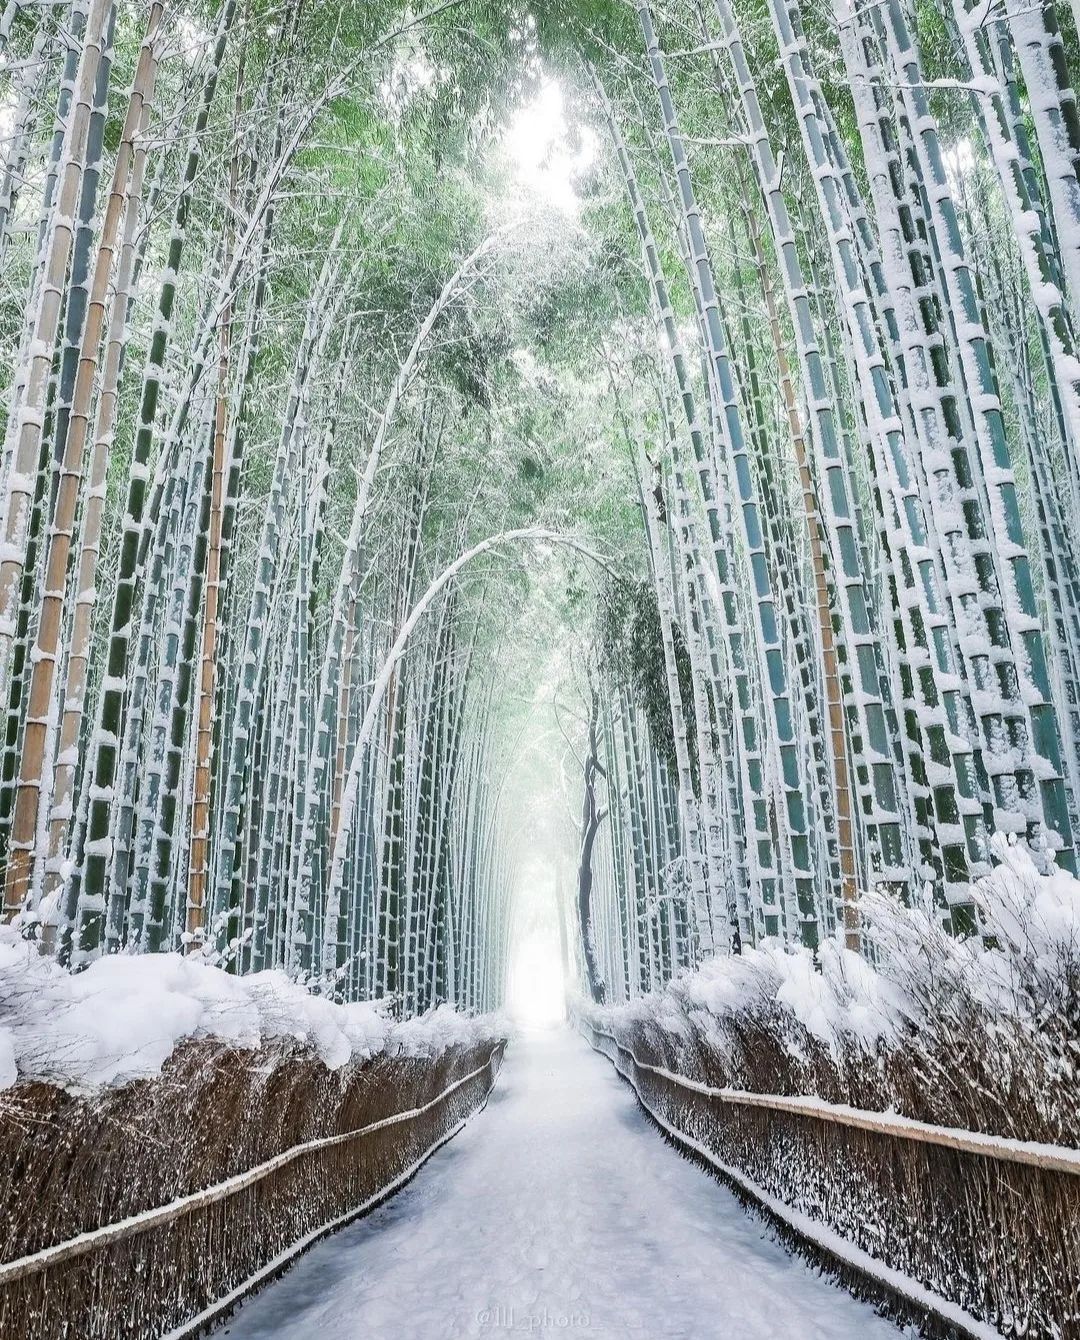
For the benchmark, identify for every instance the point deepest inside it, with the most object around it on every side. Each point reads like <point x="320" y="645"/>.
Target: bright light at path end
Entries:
<point x="536" y="981"/>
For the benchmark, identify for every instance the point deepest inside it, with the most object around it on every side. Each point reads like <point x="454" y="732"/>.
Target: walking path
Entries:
<point x="559" y="1210"/>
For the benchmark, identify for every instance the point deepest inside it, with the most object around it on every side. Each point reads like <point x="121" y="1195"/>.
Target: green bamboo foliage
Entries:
<point x="925" y="470"/>
<point x="155" y="507"/>
<point x="310" y="394"/>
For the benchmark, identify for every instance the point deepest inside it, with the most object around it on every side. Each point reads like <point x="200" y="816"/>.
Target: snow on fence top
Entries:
<point x="122" y="1018"/>
<point x="1023" y="964"/>
<point x="996" y="1016"/>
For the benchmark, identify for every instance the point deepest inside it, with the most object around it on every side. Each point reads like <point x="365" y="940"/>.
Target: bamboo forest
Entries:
<point x="539" y="562"/>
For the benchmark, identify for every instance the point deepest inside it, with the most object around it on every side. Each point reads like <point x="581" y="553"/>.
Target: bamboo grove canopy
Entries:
<point x="305" y="307"/>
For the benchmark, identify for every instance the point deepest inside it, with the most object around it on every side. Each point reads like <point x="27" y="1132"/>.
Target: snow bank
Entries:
<point x="122" y="1018"/>
<point x="1003" y="1005"/>
<point x="838" y="998"/>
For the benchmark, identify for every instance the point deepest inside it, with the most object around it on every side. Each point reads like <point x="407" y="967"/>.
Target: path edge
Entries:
<point x="861" y="1282"/>
<point x="221" y="1309"/>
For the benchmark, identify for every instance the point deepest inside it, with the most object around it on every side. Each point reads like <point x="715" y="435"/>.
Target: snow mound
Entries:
<point x="122" y="1018"/>
<point x="1022" y="966"/>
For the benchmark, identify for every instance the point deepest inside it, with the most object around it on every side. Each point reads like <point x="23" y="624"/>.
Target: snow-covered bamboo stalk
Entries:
<point x="26" y="417"/>
<point x="733" y="444"/>
<point x="55" y="595"/>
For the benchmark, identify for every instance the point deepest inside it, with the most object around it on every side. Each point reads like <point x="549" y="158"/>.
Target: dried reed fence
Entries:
<point x="152" y="1208"/>
<point x="963" y="1236"/>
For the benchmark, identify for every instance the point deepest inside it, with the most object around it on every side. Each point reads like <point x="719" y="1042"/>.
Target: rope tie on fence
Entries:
<point x="197" y="1200"/>
<point x="1033" y="1153"/>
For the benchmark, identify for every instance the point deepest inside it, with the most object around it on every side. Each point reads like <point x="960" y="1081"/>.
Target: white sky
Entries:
<point x="538" y="145"/>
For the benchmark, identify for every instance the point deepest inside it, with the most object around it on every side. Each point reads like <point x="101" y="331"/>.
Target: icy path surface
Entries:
<point x="559" y="1210"/>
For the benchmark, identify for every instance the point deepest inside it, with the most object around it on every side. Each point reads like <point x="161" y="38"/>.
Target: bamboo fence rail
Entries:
<point x="1034" y="1153"/>
<point x="173" y="1266"/>
<point x="963" y="1233"/>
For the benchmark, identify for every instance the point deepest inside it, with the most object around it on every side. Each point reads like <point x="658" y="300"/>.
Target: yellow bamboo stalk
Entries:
<point x="198" y="865"/>
<point x="44" y="661"/>
<point x="834" y="698"/>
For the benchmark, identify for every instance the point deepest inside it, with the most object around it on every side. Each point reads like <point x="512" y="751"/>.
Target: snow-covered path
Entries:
<point x="558" y="1210"/>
